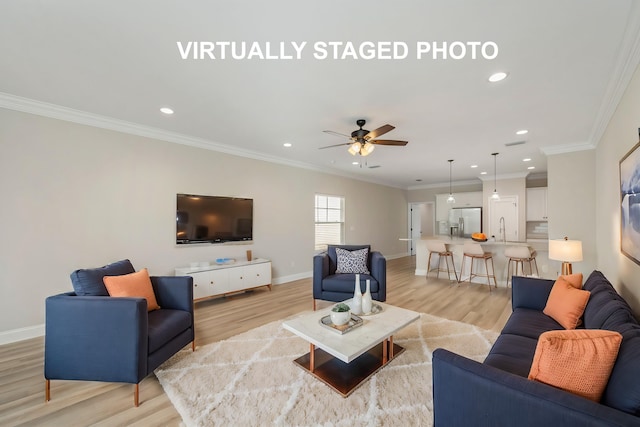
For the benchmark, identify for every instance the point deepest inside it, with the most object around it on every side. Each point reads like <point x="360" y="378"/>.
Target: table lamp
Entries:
<point x="567" y="251"/>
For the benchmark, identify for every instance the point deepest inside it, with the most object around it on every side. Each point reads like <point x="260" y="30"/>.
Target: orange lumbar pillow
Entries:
<point x="132" y="285"/>
<point x="574" y="279"/>
<point x="577" y="361"/>
<point x="566" y="304"/>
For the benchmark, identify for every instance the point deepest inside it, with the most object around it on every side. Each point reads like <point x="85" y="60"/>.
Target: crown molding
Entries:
<point x="45" y="109"/>
<point x="625" y="67"/>
<point x="442" y="185"/>
<point x="499" y="177"/>
<point x="567" y="148"/>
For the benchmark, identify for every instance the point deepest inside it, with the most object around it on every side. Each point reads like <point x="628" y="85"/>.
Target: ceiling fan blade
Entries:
<point x="389" y="142"/>
<point x="330" y="132"/>
<point x="377" y="132"/>
<point x="337" y="145"/>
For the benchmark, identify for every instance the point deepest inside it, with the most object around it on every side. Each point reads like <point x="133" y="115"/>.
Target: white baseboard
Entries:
<point x="21" y="334"/>
<point x="421" y="272"/>
<point x="291" y="278"/>
<point x="394" y="256"/>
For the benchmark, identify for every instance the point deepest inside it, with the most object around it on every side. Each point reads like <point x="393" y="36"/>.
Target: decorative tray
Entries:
<point x="342" y="329"/>
<point x="222" y="261"/>
<point x="375" y="309"/>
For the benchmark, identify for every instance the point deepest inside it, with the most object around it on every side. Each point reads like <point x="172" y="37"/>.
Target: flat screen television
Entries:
<point x="213" y="219"/>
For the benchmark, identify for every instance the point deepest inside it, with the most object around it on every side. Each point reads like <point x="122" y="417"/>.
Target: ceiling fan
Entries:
<point x="363" y="141"/>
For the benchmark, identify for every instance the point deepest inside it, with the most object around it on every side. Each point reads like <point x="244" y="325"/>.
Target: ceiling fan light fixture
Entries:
<point x="354" y="148"/>
<point x="368" y="148"/>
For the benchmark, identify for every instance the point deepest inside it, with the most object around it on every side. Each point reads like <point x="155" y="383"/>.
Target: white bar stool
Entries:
<point x="518" y="255"/>
<point x="440" y="248"/>
<point x="474" y="251"/>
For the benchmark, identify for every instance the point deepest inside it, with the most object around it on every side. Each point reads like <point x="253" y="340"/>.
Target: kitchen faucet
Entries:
<point x="502" y="231"/>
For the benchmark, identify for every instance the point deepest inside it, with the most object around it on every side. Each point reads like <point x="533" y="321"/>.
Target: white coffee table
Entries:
<point x="345" y="361"/>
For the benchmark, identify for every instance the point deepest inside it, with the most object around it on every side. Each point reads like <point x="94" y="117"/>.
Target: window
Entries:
<point x="329" y="221"/>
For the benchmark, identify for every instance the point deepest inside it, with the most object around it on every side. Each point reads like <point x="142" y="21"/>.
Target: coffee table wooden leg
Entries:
<point x="385" y="353"/>
<point x="391" y="347"/>
<point x="312" y="358"/>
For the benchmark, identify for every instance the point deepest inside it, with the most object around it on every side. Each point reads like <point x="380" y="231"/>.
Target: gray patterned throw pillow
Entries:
<point x="352" y="261"/>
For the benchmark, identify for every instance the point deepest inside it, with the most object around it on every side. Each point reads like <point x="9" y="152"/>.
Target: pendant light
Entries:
<point x="450" y="199"/>
<point x="495" y="195"/>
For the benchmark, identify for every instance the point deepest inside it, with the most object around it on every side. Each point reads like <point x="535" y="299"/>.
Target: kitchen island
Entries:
<point x="547" y="269"/>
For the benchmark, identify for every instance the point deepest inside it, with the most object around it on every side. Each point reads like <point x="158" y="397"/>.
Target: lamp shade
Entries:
<point x="565" y="250"/>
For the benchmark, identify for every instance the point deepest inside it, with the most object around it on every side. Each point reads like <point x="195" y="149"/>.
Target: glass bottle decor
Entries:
<point x="367" y="303"/>
<point x="356" y="303"/>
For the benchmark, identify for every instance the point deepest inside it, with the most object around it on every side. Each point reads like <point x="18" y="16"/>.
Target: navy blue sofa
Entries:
<point x="93" y="337"/>
<point x="329" y="286"/>
<point x="498" y="393"/>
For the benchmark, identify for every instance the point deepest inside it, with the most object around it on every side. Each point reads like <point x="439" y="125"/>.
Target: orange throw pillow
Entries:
<point x="577" y="361"/>
<point x="574" y="279"/>
<point x="132" y="285"/>
<point x="566" y="303"/>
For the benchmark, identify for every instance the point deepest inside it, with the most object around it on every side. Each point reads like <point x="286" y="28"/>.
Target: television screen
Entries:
<point x="213" y="219"/>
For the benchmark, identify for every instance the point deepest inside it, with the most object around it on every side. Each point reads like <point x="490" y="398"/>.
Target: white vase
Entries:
<point x="356" y="302"/>
<point x="367" y="303"/>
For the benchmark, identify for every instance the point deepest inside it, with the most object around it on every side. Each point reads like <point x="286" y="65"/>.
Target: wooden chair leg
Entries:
<point x="47" y="390"/>
<point x="193" y="344"/>
<point x="136" y="395"/>
<point x="429" y="264"/>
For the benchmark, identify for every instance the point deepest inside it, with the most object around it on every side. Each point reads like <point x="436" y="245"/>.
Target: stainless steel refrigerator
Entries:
<point x="465" y="221"/>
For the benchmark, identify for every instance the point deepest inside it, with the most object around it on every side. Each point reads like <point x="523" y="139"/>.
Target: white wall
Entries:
<point x="620" y="136"/>
<point x="74" y="196"/>
<point x="571" y="204"/>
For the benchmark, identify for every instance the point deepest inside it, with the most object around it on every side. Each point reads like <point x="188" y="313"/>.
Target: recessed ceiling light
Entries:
<point x="287" y="144"/>
<point x="483" y="173"/>
<point x="474" y="166"/>
<point x="531" y="167"/>
<point x="522" y="132"/>
<point x="166" y="110"/>
<point x="526" y="160"/>
<point x="496" y="77"/>
<point x="355" y="163"/>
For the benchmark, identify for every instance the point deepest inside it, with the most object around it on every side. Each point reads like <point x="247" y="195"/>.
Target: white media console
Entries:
<point x="222" y="279"/>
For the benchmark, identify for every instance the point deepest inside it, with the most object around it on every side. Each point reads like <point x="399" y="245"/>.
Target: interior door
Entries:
<point x="507" y="208"/>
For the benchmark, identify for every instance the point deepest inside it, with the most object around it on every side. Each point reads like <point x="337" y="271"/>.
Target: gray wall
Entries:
<point x="75" y="196"/>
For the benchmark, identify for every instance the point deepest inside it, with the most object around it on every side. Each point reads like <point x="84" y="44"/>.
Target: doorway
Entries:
<point x="505" y="208"/>
<point x="421" y="223"/>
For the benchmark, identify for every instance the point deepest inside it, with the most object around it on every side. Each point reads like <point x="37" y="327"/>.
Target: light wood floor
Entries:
<point x="76" y="403"/>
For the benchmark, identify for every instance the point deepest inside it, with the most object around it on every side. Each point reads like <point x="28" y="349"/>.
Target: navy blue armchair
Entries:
<point x="101" y="338"/>
<point x="329" y="286"/>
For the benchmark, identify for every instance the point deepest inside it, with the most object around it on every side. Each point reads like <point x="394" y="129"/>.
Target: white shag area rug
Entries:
<point x="251" y="380"/>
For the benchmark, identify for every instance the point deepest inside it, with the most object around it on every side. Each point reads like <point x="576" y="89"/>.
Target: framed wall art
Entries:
<point x="630" y="203"/>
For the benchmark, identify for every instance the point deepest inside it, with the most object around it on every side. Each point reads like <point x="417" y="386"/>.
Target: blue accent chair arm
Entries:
<point x="466" y="393"/>
<point x="96" y="338"/>
<point x="379" y="271"/>
<point x="175" y="292"/>
<point x="530" y="292"/>
<point x="320" y="271"/>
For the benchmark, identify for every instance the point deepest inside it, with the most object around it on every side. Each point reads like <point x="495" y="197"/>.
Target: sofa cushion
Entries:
<point x="579" y="362"/>
<point x="166" y="324"/>
<point x="352" y="261"/>
<point x="89" y="282"/>
<point x="623" y="388"/>
<point x="132" y="285"/>
<point x="605" y="309"/>
<point x="340" y="282"/>
<point x="566" y="303"/>
<point x="529" y="323"/>
<point x="512" y="353"/>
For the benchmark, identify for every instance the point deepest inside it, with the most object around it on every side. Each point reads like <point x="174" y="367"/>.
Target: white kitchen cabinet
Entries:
<point x="216" y="280"/>
<point x="537" y="204"/>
